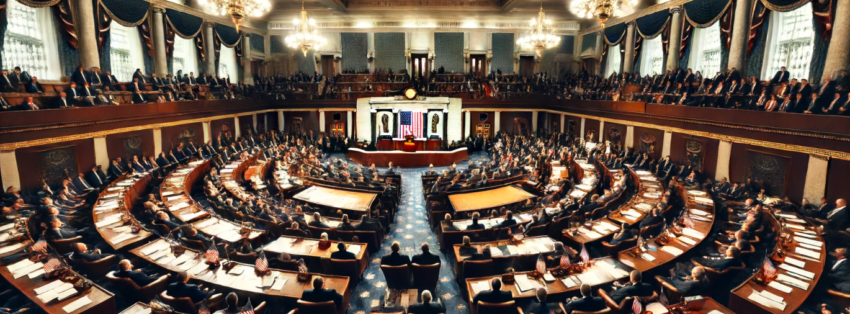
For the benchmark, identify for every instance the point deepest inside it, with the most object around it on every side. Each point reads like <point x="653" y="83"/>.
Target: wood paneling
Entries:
<point x="29" y="166"/>
<point x="508" y="120"/>
<point x="246" y="123"/>
<point x="678" y="151"/>
<point x="837" y="180"/>
<point x="796" y="171"/>
<point x="124" y="144"/>
<point x="475" y="119"/>
<point x="172" y="135"/>
<point x="309" y="120"/>
<point x="590" y="125"/>
<point x="219" y="126"/>
<point x="659" y="140"/>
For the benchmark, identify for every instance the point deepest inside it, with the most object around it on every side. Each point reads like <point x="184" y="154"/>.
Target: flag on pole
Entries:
<point x="768" y="269"/>
<point x="410" y="123"/>
<point x="212" y="253"/>
<point x="248" y="308"/>
<point x="585" y="257"/>
<point x="40" y="246"/>
<point x="262" y="263"/>
<point x="565" y="261"/>
<point x="637" y="308"/>
<point x="541" y="264"/>
<point x="51" y="265"/>
<point x="204" y="308"/>
<point x="687" y="221"/>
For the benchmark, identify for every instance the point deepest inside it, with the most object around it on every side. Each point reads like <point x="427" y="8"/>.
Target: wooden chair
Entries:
<point x="186" y="305"/>
<point x="398" y="277"/>
<point x="509" y="307"/>
<point x="193" y="244"/>
<point x="651" y="230"/>
<point x="625" y="306"/>
<point x="307" y="307"/>
<point x="475" y="269"/>
<point x="248" y="258"/>
<point x="714" y="275"/>
<point x="426" y="277"/>
<point x="145" y="294"/>
<point x="316" y="232"/>
<point x="99" y="268"/>
<point x="613" y="249"/>
<point x="672" y="293"/>
<point x="64" y="246"/>
<point x="342" y="267"/>
<point x="840" y="299"/>
<point x="261" y="308"/>
<point x="538" y="230"/>
<point x="368" y="237"/>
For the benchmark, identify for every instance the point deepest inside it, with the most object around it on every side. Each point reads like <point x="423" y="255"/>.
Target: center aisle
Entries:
<point x="411" y="229"/>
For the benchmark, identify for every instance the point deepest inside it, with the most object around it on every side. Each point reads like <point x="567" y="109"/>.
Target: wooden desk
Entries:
<point x="505" y="252"/>
<point x="334" y="198"/>
<point x="494" y="198"/>
<point x="285" y="244"/>
<point x="127" y="190"/>
<point x="102" y="301"/>
<point x="135" y="308"/>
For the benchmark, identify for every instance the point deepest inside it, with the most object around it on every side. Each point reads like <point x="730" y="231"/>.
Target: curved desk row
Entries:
<point x="114" y="205"/>
<point x="405" y="159"/>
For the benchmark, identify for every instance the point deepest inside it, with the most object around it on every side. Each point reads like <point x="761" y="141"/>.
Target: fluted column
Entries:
<point x="675" y="41"/>
<point x="9" y="169"/>
<point x="598" y="51"/>
<point x="209" y="49"/>
<point x="247" y="76"/>
<point x="740" y="34"/>
<point x="160" y="60"/>
<point x="86" y="30"/>
<point x="838" y="54"/>
<point x="629" y="57"/>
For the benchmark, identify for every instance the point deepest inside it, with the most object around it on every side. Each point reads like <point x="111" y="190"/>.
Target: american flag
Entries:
<point x="565" y="261"/>
<point x="248" y="308"/>
<point x="410" y="122"/>
<point x="768" y="269"/>
<point x="541" y="264"/>
<point x="302" y="268"/>
<point x="212" y="253"/>
<point x="51" y="265"/>
<point x="262" y="263"/>
<point x="637" y="308"/>
<point x="204" y="309"/>
<point x="687" y="221"/>
<point x="40" y="246"/>
<point x="585" y="257"/>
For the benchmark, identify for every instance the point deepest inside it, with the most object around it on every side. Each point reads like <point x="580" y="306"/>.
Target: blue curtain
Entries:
<point x="228" y="35"/>
<point x="755" y="60"/>
<point x="389" y="52"/>
<point x="258" y="43"/>
<point x="703" y="13"/>
<point x="276" y="45"/>
<point x="127" y="12"/>
<point x="69" y="57"/>
<point x="183" y="24"/>
<point x="503" y="53"/>
<point x="816" y="70"/>
<point x="588" y="41"/>
<point x="614" y="33"/>
<point x="3" y="24"/>
<point x="685" y="58"/>
<point x="355" y="49"/>
<point x="448" y="48"/>
<point x="652" y="24"/>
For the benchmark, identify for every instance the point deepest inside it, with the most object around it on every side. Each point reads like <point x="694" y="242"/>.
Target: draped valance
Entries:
<point x="184" y="25"/>
<point x="128" y="13"/>
<point x="651" y="25"/>
<point x="784" y="5"/>
<point x="703" y="13"/>
<point x="615" y="33"/>
<point x="228" y="36"/>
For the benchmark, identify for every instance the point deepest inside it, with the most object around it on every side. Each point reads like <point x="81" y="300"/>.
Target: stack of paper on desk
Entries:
<point x="807" y="252"/>
<point x="797" y="271"/>
<point x="768" y="299"/>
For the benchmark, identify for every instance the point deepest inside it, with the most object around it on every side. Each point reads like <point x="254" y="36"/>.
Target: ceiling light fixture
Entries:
<point x="541" y="35"/>
<point x="238" y="9"/>
<point x="602" y="10"/>
<point x="306" y="36"/>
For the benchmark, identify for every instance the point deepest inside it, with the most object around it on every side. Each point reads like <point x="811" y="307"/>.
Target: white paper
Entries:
<point x="807" y="252"/>
<point x="23" y="263"/>
<point x="808" y="241"/>
<point x="798" y="271"/>
<point x="278" y="284"/>
<point x="36" y="273"/>
<point x="795" y="226"/>
<point x="688" y="240"/>
<point x="48" y="287"/>
<point x="778" y="286"/>
<point x="76" y="305"/>
<point x="794" y="282"/>
<point x="26" y="270"/>
<point x="795" y="262"/>
<point x="647" y="257"/>
<point x="672" y="250"/>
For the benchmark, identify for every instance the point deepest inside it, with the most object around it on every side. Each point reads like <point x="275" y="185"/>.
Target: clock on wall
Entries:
<point x="410" y="93"/>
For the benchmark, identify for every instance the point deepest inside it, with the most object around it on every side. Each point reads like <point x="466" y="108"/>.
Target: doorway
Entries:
<point x="419" y="65"/>
<point x="328" y="66"/>
<point x="526" y="66"/>
<point x="478" y="66"/>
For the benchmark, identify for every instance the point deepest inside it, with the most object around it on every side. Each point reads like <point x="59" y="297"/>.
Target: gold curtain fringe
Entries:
<point x="119" y="21"/>
<point x="174" y="29"/>
<point x="722" y="12"/>
<point x="784" y="8"/>
<point x="651" y="36"/>
<point x="222" y="42"/>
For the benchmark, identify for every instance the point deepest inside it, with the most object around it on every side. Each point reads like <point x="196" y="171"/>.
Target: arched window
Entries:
<point x="614" y="60"/>
<point x="31" y="41"/>
<point x="184" y="56"/>
<point x="790" y="43"/>
<point x="227" y="64"/>
<point x="652" y="57"/>
<point x="125" y="52"/>
<point x="705" y="52"/>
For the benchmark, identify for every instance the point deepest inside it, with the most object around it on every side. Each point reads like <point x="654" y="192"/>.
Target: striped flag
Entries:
<point x="637" y="308"/>
<point x="212" y="253"/>
<point x="541" y="264"/>
<point x="40" y="246"/>
<point x="302" y="268"/>
<point x="768" y="269"/>
<point x="204" y="308"/>
<point x="248" y="308"/>
<point x="410" y="122"/>
<point x="585" y="257"/>
<point x="565" y="261"/>
<point x="262" y="263"/>
<point x="51" y="265"/>
<point x="687" y="221"/>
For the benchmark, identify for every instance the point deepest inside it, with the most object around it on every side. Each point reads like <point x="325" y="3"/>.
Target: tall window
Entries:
<point x="614" y="60"/>
<point x="125" y="52"/>
<point x="30" y="41"/>
<point x="227" y="64"/>
<point x="184" y="56"/>
<point x="652" y="57"/>
<point x="705" y="52"/>
<point x="790" y="43"/>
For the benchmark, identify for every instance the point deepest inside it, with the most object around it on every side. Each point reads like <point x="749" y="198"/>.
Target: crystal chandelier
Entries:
<point x="238" y="9"/>
<point x="602" y="10"/>
<point x="306" y="36"/>
<point x="540" y="37"/>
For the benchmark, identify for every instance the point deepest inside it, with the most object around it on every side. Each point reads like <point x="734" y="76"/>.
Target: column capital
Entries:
<point x="630" y="24"/>
<point x="676" y="10"/>
<point x="246" y="35"/>
<point x="209" y="24"/>
<point x="158" y="9"/>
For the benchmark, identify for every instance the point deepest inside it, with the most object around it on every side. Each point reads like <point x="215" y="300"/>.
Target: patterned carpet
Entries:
<point x="411" y="229"/>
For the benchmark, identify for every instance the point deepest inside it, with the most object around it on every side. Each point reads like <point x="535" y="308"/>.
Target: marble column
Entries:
<point x="675" y="41"/>
<point x="265" y="122"/>
<point x="157" y="141"/>
<point x="280" y="120"/>
<point x="838" y="54"/>
<point x="160" y="60"/>
<point x="740" y="34"/>
<point x="816" y="176"/>
<point x="238" y="130"/>
<point x="9" y="169"/>
<point x="348" y="124"/>
<point x="724" y="155"/>
<point x="209" y="48"/>
<point x="247" y="76"/>
<point x="581" y="129"/>
<point x="207" y="132"/>
<point x="598" y="50"/>
<point x="497" y="122"/>
<point x="562" y="122"/>
<point x="630" y="136"/>
<point x="601" y="131"/>
<point x="665" y="146"/>
<point x="254" y="117"/>
<point x="86" y="30"/>
<point x="101" y="155"/>
<point x="467" y="123"/>
<point x="629" y="57"/>
<point x="321" y="121"/>
<point x="534" y="116"/>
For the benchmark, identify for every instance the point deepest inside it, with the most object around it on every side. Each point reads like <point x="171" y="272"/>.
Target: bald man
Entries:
<point x="125" y="270"/>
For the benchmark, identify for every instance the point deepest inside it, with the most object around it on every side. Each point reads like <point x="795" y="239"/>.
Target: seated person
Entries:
<point x="426" y="258"/>
<point x="81" y="253"/>
<point x="483" y="254"/>
<point x="587" y="302"/>
<point x="447" y="223"/>
<point x="466" y="247"/>
<point x="509" y="220"/>
<point x="320" y="294"/>
<point x="294" y="231"/>
<point x="283" y="261"/>
<point x="633" y="288"/>
<point x="475" y="225"/>
<point x="232" y="302"/>
<point x="694" y="284"/>
<point x="346" y="224"/>
<point x="427" y="307"/>
<point x="653" y="217"/>
<point x="193" y="234"/>
<point x="720" y="264"/>
<point x="838" y="271"/>
<point x="394" y="258"/>
<point x="182" y="289"/>
<point x="625" y="233"/>
<point x="496" y="295"/>
<point x="341" y="253"/>
<point x="125" y="270"/>
<point x="317" y="221"/>
<point x="538" y="305"/>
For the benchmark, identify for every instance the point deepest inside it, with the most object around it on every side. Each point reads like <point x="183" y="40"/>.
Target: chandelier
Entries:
<point x="602" y="10"/>
<point x="238" y="9"/>
<point x="306" y="36"/>
<point x="540" y="37"/>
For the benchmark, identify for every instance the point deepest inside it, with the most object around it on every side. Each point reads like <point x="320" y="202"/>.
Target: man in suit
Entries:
<point x="63" y="102"/>
<point x="28" y="104"/>
<point x="810" y="105"/>
<point x="838" y="270"/>
<point x="6" y="85"/>
<point x="125" y="270"/>
<point x="80" y="183"/>
<point x="509" y="221"/>
<point x="730" y="259"/>
<point x="496" y="295"/>
<point x="475" y="225"/>
<point x="833" y="106"/>
<point x="182" y="288"/>
<point x="781" y="76"/>
<point x="33" y="87"/>
<point x="787" y="105"/>
<point x="694" y="284"/>
<point x="140" y="77"/>
<point x="317" y="221"/>
<point x="81" y="253"/>
<point x="836" y="219"/>
<point x="135" y="87"/>
<point x="394" y="258"/>
<point x="18" y="77"/>
<point x="320" y="294"/>
<point x="94" y="177"/>
<point x="79" y="76"/>
<point x="109" y="80"/>
<point x="634" y="288"/>
<point x="341" y="253"/>
<point x="426" y="258"/>
<point x="587" y="303"/>
<point x="427" y="307"/>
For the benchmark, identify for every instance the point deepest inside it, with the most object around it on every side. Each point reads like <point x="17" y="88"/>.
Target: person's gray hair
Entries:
<point x="426" y="296"/>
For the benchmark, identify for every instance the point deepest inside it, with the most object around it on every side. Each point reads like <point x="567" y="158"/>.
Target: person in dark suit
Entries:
<point x="136" y="87"/>
<point x="394" y="258"/>
<point x="28" y="105"/>
<point x="538" y="305"/>
<point x="79" y="76"/>
<point x="447" y="223"/>
<point x="108" y="79"/>
<point x="94" y="178"/>
<point x="633" y="288"/>
<point x="694" y="284"/>
<point x="587" y="303"/>
<point x="367" y="223"/>
<point x="509" y="221"/>
<point x="780" y="77"/>
<point x="34" y="87"/>
<point x="729" y="260"/>
<point x="496" y="295"/>
<point x="64" y="102"/>
<point x="426" y="258"/>
<point x="6" y="85"/>
<point x="320" y="294"/>
<point x="475" y="225"/>
<point x="182" y="288"/>
<point x="838" y="270"/>
<point x="625" y="233"/>
<point x="82" y="253"/>
<point x="811" y="104"/>
<point x="317" y="221"/>
<point x="140" y="77"/>
<point x="125" y="270"/>
<point x="427" y="307"/>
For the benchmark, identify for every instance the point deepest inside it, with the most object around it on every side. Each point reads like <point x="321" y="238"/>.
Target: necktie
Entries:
<point x="83" y="75"/>
<point x="771" y="105"/>
<point x="33" y="107"/>
<point x="832" y="104"/>
<point x="64" y="103"/>
<point x="833" y="212"/>
<point x="784" y="104"/>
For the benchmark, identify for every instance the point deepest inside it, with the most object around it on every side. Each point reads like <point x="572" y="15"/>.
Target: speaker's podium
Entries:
<point x="409" y="144"/>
